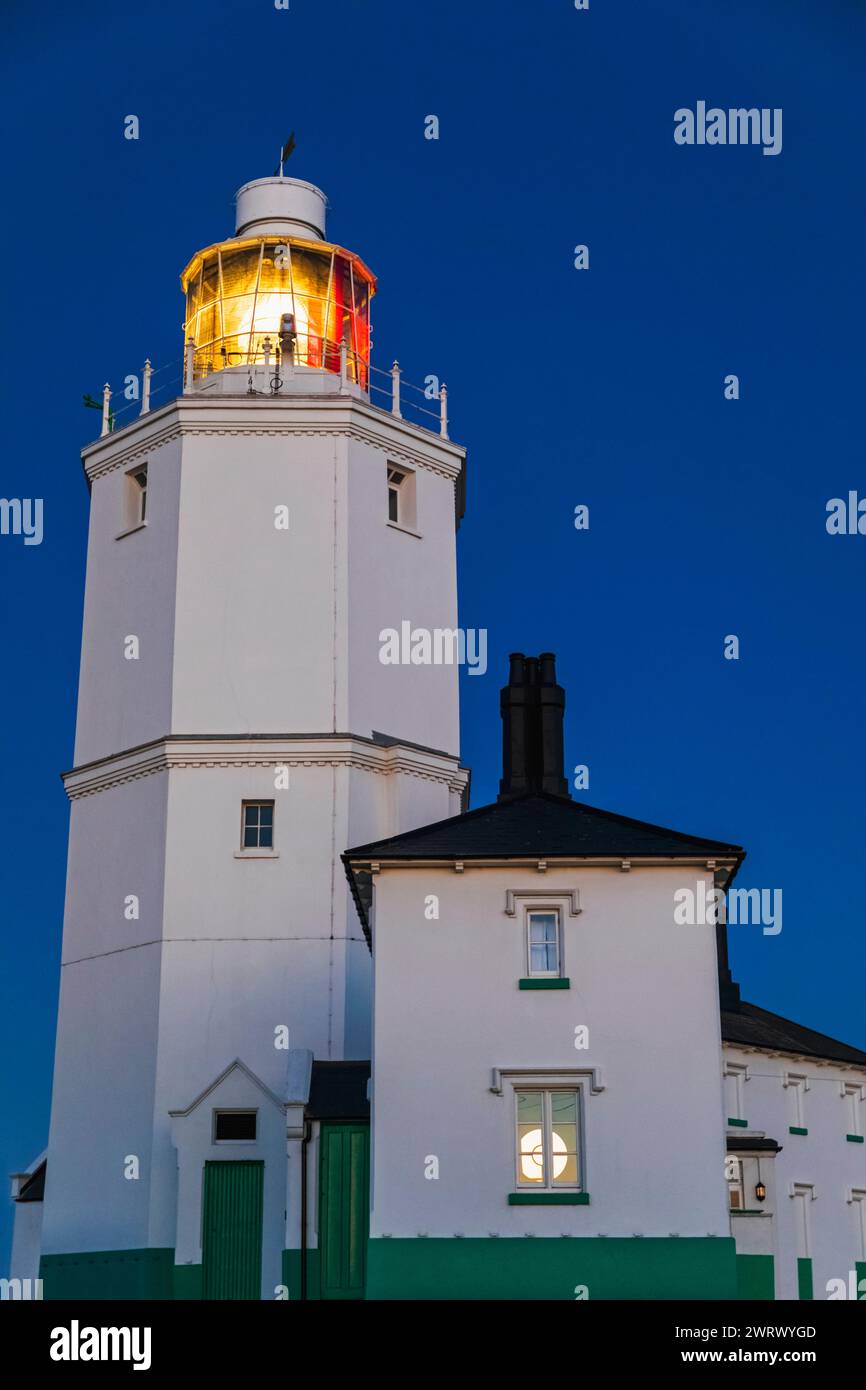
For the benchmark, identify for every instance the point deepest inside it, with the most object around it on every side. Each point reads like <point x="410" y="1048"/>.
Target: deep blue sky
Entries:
<point x="707" y="516"/>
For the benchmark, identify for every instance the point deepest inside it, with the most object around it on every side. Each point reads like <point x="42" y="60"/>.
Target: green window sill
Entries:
<point x="548" y="1199"/>
<point x="747" y="1211"/>
<point x="854" y="1138"/>
<point x="562" y="982"/>
<point x="739" y="1124"/>
<point x="796" y="1129"/>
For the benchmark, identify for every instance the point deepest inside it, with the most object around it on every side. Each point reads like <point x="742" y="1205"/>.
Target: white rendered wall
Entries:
<point x="129" y="590"/>
<point x="244" y="630"/>
<point x="26" y="1241"/>
<point x="448" y="1010"/>
<point x="822" y="1158"/>
<point x="107" y="1028"/>
<point x="391" y="579"/>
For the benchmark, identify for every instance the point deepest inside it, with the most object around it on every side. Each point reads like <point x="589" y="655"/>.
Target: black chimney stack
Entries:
<point x="532" y="707"/>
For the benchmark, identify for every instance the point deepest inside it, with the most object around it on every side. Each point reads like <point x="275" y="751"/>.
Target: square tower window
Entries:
<point x="258" y="825"/>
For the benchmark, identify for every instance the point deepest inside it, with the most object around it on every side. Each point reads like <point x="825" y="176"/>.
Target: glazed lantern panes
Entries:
<point x="239" y="292"/>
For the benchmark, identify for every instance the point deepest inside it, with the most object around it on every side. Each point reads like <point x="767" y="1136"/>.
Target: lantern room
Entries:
<point x="277" y="292"/>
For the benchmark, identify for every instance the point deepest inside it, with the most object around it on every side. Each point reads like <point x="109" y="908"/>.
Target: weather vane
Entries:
<point x="284" y="154"/>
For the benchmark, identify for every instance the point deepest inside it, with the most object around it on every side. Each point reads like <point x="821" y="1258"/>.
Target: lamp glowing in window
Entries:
<point x="532" y="1155"/>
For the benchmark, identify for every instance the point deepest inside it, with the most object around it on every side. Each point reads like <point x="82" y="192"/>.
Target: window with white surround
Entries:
<point x="135" y="499"/>
<point x="852" y="1094"/>
<point x="401" y="498"/>
<point x="543" y="943"/>
<point x="736" y="1075"/>
<point x="857" y="1198"/>
<point x="803" y="1194"/>
<point x="548" y="1138"/>
<point x="257" y="827"/>
<point x="796" y="1086"/>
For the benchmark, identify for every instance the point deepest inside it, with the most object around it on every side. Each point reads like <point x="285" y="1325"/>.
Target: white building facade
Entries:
<point x="560" y="1073"/>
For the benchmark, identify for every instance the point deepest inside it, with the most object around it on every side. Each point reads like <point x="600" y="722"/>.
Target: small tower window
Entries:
<point x="401" y="498"/>
<point x="135" y="499"/>
<point x="258" y="825"/>
<point x="139" y="478"/>
<point x="395" y="482"/>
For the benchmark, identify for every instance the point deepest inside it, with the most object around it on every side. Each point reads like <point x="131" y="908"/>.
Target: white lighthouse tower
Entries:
<point x="236" y="732"/>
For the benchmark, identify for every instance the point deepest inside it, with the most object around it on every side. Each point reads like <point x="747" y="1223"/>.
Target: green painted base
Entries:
<point x="804" y="1280"/>
<point x="860" y="1267"/>
<point x="550" y="1267"/>
<point x="755" y="1277"/>
<point x="149" y="1274"/>
<point x="548" y="1199"/>
<point x="109" y="1274"/>
<point x="292" y="1274"/>
<point x="188" y="1282"/>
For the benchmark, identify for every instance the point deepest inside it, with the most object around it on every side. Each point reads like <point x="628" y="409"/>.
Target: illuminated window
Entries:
<point x="734" y="1173"/>
<point x="258" y="825"/>
<point x="548" y="1155"/>
<point x="543" y="943"/>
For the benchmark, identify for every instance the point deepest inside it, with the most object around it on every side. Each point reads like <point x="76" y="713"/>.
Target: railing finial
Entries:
<point x="145" y="387"/>
<point x="443" y="411"/>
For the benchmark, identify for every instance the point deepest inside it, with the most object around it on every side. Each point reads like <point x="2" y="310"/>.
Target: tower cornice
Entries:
<point x="264" y="750"/>
<point x="311" y="416"/>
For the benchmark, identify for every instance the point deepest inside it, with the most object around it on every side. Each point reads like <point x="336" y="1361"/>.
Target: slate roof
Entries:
<point x="749" y="1144"/>
<point x="753" y="1027"/>
<point x="541" y="825"/>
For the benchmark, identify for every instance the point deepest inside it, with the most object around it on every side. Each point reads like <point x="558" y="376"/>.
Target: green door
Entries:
<point x="344" y="1208"/>
<point x="232" y="1230"/>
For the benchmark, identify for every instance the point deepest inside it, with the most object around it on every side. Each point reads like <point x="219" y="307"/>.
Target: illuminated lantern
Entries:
<point x="278" y="279"/>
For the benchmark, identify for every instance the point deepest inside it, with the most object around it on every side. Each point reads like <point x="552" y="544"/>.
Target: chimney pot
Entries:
<point x="532" y="707"/>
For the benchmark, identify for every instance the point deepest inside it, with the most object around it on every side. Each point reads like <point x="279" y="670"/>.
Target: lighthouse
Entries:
<point x="237" y="731"/>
